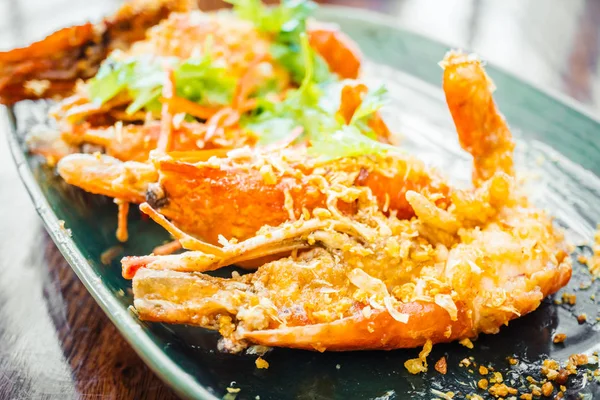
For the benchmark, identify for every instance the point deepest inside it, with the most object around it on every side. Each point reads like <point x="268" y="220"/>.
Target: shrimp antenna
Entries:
<point x="187" y="241"/>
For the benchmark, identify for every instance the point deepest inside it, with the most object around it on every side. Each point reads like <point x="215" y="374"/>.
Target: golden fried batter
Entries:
<point x="468" y="262"/>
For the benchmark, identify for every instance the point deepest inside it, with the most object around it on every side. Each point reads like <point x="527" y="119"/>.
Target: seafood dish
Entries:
<point x="252" y="139"/>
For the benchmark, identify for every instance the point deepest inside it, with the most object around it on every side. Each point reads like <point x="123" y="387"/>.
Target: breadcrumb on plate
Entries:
<point x="261" y="363"/>
<point x="441" y="366"/>
<point x="418" y="365"/>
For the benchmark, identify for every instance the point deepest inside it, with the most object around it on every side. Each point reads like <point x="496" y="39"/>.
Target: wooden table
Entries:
<point x="55" y="342"/>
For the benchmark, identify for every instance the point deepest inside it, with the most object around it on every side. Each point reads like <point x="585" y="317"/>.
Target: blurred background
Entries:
<point x="55" y="342"/>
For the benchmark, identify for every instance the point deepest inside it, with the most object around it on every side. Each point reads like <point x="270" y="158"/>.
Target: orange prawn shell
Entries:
<point x="341" y="54"/>
<point x="427" y="321"/>
<point x="351" y="98"/>
<point x="207" y="201"/>
<point x="19" y="65"/>
<point x="75" y="52"/>
<point x="482" y="129"/>
<point x="60" y="40"/>
<point x="379" y="330"/>
<point x="135" y="142"/>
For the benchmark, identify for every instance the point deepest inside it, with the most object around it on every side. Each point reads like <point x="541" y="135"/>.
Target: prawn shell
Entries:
<point x="60" y="40"/>
<point x="482" y="129"/>
<point x="351" y="98"/>
<point x="105" y="175"/>
<point x="38" y="61"/>
<point x="390" y="190"/>
<point x="135" y="142"/>
<point x="73" y="53"/>
<point x="377" y="331"/>
<point x="427" y="321"/>
<point x="340" y="53"/>
<point x="207" y="201"/>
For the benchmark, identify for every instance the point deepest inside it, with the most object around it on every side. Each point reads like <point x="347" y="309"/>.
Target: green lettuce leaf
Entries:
<point x="288" y="17"/>
<point x="287" y="23"/>
<point x="199" y="80"/>
<point x="347" y="141"/>
<point x="289" y="56"/>
<point x="142" y="98"/>
<point x="372" y="102"/>
<point x="272" y="129"/>
<point x="202" y="81"/>
<point x="300" y="108"/>
<point x="314" y="107"/>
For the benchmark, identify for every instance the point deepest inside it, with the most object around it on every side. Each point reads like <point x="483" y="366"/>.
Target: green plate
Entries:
<point x="557" y="144"/>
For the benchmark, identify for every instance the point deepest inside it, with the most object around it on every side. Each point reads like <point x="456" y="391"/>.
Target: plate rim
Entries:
<point x="182" y="383"/>
<point x="152" y="355"/>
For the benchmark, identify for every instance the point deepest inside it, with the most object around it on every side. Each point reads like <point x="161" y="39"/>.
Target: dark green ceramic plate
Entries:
<point x="557" y="143"/>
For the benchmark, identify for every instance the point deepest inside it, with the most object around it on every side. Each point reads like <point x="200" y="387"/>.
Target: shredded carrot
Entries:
<point x="246" y="83"/>
<point x="181" y="105"/>
<point x="122" y="234"/>
<point x="232" y="118"/>
<point x="123" y="116"/>
<point x="286" y="141"/>
<point x="198" y="155"/>
<point x="247" y="105"/>
<point x="165" y="140"/>
<point x="80" y="112"/>
<point x="108" y="255"/>
<point x="167" y="248"/>
<point x="223" y="118"/>
<point x="351" y="99"/>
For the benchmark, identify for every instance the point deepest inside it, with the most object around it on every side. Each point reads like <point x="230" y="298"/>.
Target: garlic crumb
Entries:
<point x="261" y="363"/>
<point x="418" y="365"/>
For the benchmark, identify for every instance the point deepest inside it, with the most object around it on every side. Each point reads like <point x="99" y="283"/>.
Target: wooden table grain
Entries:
<point x="56" y="343"/>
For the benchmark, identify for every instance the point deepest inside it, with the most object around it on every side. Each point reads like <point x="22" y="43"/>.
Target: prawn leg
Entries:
<point x="207" y="257"/>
